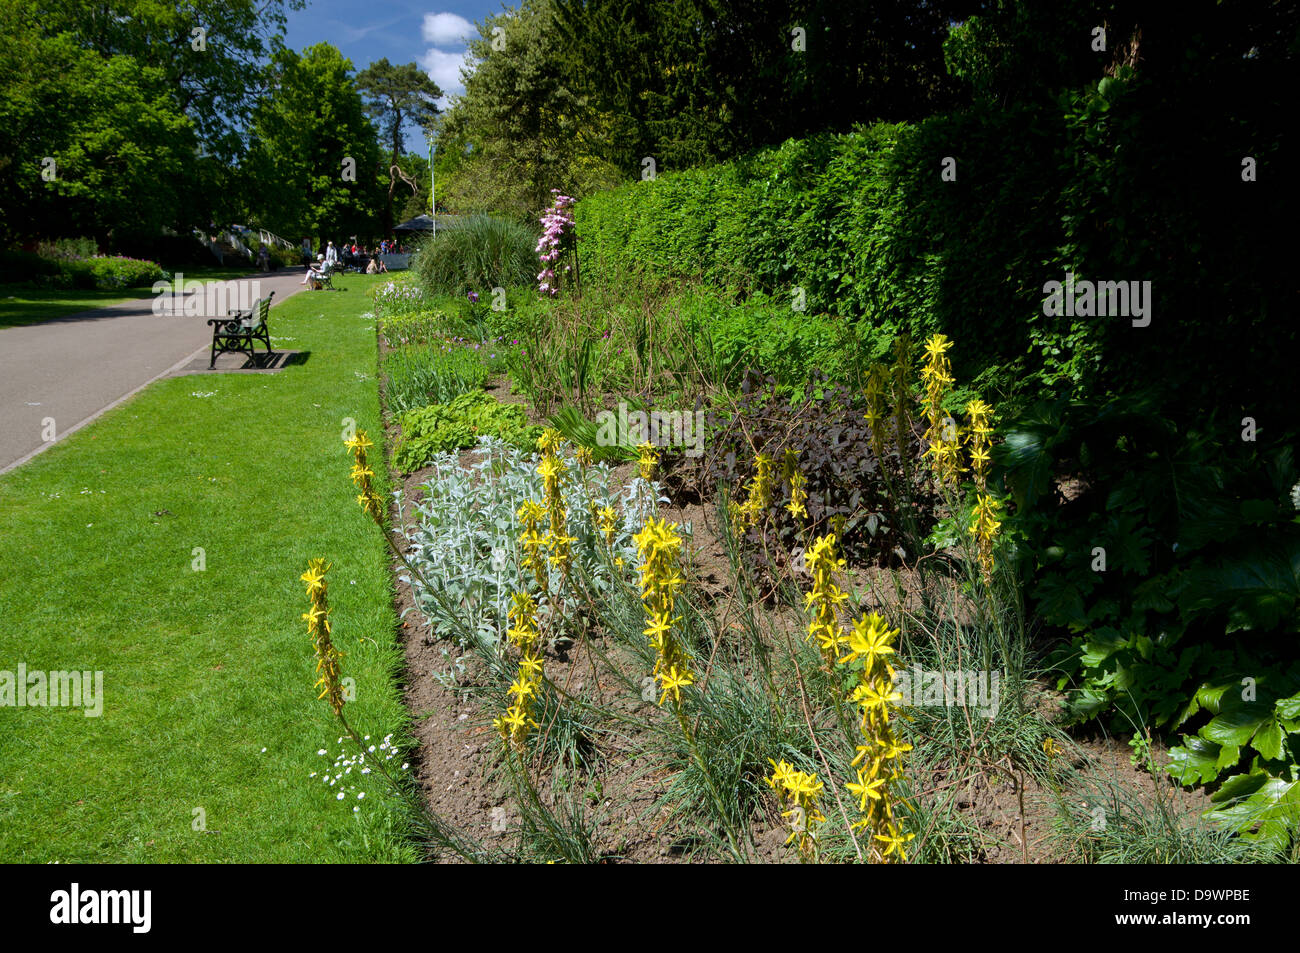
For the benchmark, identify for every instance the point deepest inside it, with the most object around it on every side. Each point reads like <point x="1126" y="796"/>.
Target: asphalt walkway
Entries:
<point x="74" y="368"/>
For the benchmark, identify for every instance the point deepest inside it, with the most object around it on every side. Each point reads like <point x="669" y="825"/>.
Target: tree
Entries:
<point x="209" y="52"/>
<point x="77" y="162"/>
<point x="689" y="82"/>
<point x="314" y="164"/>
<point x="394" y="95"/>
<point x="141" y="106"/>
<point x="412" y="187"/>
<point x="521" y="128"/>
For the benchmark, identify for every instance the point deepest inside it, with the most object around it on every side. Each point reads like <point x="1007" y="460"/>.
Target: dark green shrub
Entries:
<point x="20" y="267"/>
<point x="1172" y="558"/>
<point x="866" y="226"/>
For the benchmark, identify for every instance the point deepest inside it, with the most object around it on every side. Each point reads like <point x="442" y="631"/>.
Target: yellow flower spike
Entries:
<point x="359" y="443"/>
<point x="515" y="723"/>
<point x="315" y="576"/>
<point x="530" y="512"/>
<point x="318" y="627"/>
<point x="647" y="461"/>
<point x="550" y="440"/>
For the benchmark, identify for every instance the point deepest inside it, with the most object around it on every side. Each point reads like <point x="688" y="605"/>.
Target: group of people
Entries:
<point x="351" y="256"/>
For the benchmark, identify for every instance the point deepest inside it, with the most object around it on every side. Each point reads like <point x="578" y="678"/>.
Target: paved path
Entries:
<point x="76" y="367"/>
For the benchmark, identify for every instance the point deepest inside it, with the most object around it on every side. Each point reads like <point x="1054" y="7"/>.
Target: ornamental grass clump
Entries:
<point x="523" y="634"/>
<point x="658" y="546"/>
<point x="869" y="646"/>
<point x="799" y="794"/>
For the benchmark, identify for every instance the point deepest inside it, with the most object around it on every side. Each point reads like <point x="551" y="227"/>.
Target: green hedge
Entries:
<point x="866" y="226"/>
<point x="107" y="272"/>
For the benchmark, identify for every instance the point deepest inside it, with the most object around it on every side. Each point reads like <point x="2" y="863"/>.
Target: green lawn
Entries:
<point x="202" y="670"/>
<point x="20" y="305"/>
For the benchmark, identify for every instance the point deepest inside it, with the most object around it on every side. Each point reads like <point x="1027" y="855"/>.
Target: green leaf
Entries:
<point x="1268" y="740"/>
<point x="1271" y="815"/>
<point x="1238" y="725"/>
<point x="1242" y="785"/>
<point x="1289" y="708"/>
<point x="1195" y="761"/>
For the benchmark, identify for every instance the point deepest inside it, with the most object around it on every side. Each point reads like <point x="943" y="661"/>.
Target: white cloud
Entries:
<point x="446" y="29"/>
<point x="444" y="69"/>
<point x="448" y="34"/>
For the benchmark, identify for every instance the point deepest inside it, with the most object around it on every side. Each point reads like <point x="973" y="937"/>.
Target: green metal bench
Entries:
<point x="239" y="332"/>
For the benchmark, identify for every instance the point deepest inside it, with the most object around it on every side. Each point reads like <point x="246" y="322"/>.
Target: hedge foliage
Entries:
<point x="1117" y="182"/>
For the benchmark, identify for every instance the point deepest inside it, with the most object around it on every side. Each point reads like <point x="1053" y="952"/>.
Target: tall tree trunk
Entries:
<point x="388" y="204"/>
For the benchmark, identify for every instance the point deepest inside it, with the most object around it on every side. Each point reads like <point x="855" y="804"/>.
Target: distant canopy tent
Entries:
<point x="421" y="223"/>
<point x="424" y="223"/>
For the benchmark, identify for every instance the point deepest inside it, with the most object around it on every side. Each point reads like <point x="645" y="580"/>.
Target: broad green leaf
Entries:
<point x="1236" y="726"/>
<point x="1195" y="761"/>
<point x="1268" y="740"/>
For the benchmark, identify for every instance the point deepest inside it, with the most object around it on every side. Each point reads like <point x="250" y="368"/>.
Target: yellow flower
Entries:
<point x="315" y="576"/>
<point x="530" y="512"/>
<point x="673" y="683"/>
<point x="870" y="640"/>
<point x="866" y="788"/>
<point x="894" y="843"/>
<point x="550" y="440"/>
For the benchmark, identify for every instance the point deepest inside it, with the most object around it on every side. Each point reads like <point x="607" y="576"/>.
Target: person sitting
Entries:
<point x="315" y="273"/>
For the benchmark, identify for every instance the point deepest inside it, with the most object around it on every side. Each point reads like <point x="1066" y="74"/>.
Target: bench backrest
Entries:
<point x="257" y="317"/>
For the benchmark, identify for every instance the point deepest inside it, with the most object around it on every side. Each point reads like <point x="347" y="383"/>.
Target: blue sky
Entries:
<point x="430" y="33"/>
